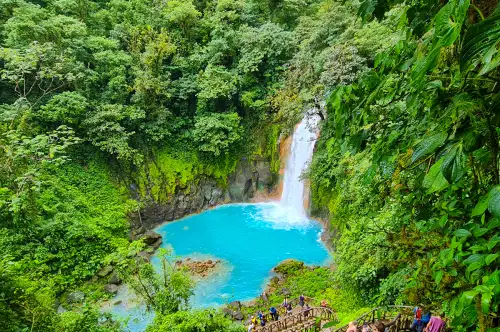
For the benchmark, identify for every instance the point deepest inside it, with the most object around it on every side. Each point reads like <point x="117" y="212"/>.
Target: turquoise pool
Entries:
<point x="250" y="239"/>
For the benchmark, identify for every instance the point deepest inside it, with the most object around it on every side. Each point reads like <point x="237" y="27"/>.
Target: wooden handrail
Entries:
<point x="282" y="310"/>
<point x="398" y="319"/>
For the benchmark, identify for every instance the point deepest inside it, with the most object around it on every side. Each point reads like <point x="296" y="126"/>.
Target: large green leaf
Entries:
<point x="485" y="301"/>
<point x="478" y="231"/>
<point x="490" y="258"/>
<point x="494" y="201"/>
<point x="462" y="233"/>
<point x="481" y="44"/>
<point x="454" y="164"/>
<point x="428" y="145"/>
<point x="438" y="277"/>
<point x="474" y="266"/>
<point x="493" y="242"/>
<point x="481" y="206"/>
<point x="447" y="27"/>
<point x="367" y="8"/>
<point x="434" y="180"/>
<point x="474" y="259"/>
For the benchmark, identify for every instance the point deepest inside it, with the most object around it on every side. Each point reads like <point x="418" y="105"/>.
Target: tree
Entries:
<point x="217" y="133"/>
<point x="106" y="129"/>
<point x="165" y="292"/>
<point x="181" y="14"/>
<point x="68" y="108"/>
<point x="195" y="321"/>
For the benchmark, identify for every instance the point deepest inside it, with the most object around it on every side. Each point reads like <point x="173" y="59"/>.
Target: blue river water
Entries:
<point x="249" y="239"/>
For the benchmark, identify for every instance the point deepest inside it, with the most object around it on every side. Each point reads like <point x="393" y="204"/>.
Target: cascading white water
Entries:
<point x="303" y="140"/>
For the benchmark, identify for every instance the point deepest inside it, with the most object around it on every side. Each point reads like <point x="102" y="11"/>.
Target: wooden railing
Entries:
<point x="400" y="318"/>
<point x="307" y="317"/>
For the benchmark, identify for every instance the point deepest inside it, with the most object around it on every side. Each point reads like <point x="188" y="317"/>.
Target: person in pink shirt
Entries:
<point x="436" y="324"/>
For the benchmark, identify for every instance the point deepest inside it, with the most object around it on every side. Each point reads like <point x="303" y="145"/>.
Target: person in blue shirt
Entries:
<point x="421" y="318"/>
<point x="274" y="313"/>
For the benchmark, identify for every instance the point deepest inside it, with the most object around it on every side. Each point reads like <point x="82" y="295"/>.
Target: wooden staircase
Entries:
<point x="300" y="321"/>
<point x="395" y="319"/>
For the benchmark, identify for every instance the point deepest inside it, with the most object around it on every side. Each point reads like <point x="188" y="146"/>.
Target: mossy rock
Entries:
<point x="289" y="267"/>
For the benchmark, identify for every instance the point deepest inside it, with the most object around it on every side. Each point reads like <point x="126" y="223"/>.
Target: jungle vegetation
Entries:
<point x="406" y="169"/>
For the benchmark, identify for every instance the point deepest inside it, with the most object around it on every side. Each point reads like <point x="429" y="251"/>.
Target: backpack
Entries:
<point x="418" y="314"/>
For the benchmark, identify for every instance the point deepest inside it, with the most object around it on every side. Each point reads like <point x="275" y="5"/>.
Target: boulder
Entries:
<point x="289" y="266"/>
<point x="144" y="256"/>
<point x="111" y="288"/>
<point x="115" y="279"/>
<point x="136" y="233"/>
<point x="75" y="297"/>
<point x="150" y="237"/>
<point x="237" y="315"/>
<point x="275" y="280"/>
<point x="157" y="244"/>
<point x="234" y="314"/>
<point x="105" y="271"/>
<point x="234" y="305"/>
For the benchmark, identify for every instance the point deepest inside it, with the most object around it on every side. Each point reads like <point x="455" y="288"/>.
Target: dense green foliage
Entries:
<point x="407" y="166"/>
<point x="166" y="291"/>
<point x="98" y="94"/>
<point x="195" y="321"/>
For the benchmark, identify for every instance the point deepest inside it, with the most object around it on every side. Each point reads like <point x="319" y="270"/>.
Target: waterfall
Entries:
<point x="303" y="140"/>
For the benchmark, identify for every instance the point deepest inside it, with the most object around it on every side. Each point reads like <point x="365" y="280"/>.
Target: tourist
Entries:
<point x="285" y="302"/>
<point x="289" y="309"/>
<point x="262" y="320"/>
<point x="417" y="320"/>
<point x="251" y="327"/>
<point x="254" y="320"/>
<point x="260" y="315"/>
<point x="306" y="310"/>
<point x="323" y="303"/>
<point x="274" y="313"/>
<point x="421" y="318"/>
<point x="302" y="300"/>
<point x="436" y="324"/>
<point x="426" y="317"/>
<point x="379" y="327"/>
<point x="352" y="327"/>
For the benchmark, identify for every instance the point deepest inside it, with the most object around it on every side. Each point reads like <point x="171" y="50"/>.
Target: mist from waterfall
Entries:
<point x="303" y="140"/>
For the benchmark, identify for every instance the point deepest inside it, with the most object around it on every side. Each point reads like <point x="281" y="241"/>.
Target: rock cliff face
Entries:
<point x="249" y="177"/>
